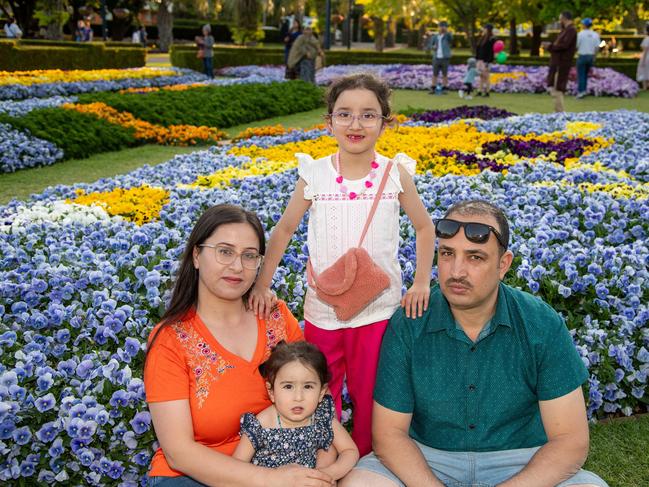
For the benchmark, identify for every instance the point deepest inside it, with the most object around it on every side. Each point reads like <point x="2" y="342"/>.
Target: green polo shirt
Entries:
<point x="482" y="396"/>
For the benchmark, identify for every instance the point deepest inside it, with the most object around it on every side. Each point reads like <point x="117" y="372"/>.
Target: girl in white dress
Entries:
<point x="338" y="190"/>
<point x="643" y="65"/>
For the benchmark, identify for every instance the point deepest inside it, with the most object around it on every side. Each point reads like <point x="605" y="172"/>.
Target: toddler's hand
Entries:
<point x="298" y="476"/>
<point x="415" y="301"/>
<point x="261" y="301"/>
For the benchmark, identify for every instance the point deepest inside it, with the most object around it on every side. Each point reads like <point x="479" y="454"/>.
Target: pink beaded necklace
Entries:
<point x="366" y="185"/>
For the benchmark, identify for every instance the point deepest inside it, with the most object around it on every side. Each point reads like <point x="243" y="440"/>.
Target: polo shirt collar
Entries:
<point x="445" y="320"/>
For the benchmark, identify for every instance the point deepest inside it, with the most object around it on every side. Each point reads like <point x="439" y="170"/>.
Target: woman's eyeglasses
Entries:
<point x="226" y="256"/>
<point x="367" y="120"/>
<point x="474" y="232"/>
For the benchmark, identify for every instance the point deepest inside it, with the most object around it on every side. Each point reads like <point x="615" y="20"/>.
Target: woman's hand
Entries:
<point x="415" y="301"/>
<point x="262" y="300"/>
<point x="297" y="476"/>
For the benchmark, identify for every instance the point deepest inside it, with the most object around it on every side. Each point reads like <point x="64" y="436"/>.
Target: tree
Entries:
<point x="52" y="14"/>
<point x="165" y="24"/>
<point x="380" y="11"/>
<point x="467" y="13"/>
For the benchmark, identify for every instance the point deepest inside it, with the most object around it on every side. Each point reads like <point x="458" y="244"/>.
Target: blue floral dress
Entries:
<point x="275" y="447"/>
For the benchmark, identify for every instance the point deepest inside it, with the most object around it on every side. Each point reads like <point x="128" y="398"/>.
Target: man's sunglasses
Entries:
<point x="474" y="232"/>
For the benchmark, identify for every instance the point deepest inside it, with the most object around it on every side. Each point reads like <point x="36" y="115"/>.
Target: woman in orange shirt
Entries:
<point x="201" y="370"/>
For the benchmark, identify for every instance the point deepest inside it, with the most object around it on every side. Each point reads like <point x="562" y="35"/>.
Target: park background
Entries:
<point x="109" y="151"/>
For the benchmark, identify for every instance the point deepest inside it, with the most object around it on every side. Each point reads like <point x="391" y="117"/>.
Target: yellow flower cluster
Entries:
<point x="172" y="135"/>
<point x="617" y="190"/>
<point x="153" y="89"/>
<point x="574" y="164"/>
<point x="580" y="129"/>
<point x="139" y="205"/>
<point x="60" y="76"/>
<point x="495" y="78"/>
<point x="424" y="144"/>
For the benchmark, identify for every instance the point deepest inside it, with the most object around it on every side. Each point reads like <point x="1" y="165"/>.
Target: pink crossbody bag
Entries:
<point x="351" y="283"/>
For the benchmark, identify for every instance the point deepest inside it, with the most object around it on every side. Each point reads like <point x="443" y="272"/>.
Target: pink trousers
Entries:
<point x="352" y="353"/>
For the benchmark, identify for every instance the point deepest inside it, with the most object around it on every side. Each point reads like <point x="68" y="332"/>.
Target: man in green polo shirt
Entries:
<point x="485" y="388"/>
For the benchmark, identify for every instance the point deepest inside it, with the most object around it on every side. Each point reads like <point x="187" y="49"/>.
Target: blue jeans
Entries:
<point x="209" y="67"/>
<point x="474" y="469"/>
<point x="584" y="63"/>
<point x="181" y="481"/>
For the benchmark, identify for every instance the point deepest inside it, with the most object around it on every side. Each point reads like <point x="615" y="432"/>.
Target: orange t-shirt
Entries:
<point x="186" y="362"/>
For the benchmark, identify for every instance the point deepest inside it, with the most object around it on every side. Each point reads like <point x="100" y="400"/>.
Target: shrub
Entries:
<point x="79" y="135"/>
<point x="215" y="106"/>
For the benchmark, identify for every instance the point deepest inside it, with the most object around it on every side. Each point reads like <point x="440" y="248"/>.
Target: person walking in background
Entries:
<point x="587" y="48"/>
<point x="642" y="74"/>
<point x="206" y="50"/>
<point x="484" y="54"/>
<point x="12" y="30"/>
<point x="289" y="39"/>
<point x="469" y="78"/>
<point x="562" y="50"/>
<point x="440" y="45"/>
<point x="303" y="55"/>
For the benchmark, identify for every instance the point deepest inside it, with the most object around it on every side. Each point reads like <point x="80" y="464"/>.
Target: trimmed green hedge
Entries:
<point x="78" y="134"/>
<point x="215" y="106"/>
<point x="184" y="56"/>
<point x="24" y="55"/>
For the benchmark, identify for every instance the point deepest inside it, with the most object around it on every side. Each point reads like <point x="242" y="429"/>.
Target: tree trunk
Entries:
<point x="537" y="30"/>
<point x="638" y="23"/>
<point x="53" y="11"/>
<point x="391" y="34"/>
<point x="165" y="24"/>
<point x="469" y="27"/>
<point x="379" y="28"/>
<point x="513" y="37"/>
<point x="421" y="32"/>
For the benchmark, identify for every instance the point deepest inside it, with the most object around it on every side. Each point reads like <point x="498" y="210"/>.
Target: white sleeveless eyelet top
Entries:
<point x="335" y="226"/>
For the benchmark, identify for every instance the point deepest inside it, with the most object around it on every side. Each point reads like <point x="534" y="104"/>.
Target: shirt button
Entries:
<point x="472" y="426"/>
<point x="472" y="387"/>
<point x="472" y="349"/>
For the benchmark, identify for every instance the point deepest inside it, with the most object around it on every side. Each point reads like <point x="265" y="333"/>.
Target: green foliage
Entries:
<point x="26" y="55"/>
<point x="215" y="106"/>
<point x="78" y="134"/>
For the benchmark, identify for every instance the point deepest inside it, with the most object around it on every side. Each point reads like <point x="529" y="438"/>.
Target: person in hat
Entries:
<point x="587" y="47"/>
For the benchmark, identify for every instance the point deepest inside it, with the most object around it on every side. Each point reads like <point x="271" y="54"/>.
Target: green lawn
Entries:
<point x="619" y="452"/>
<point x="27" y="181"/>
<point x="23" y="183"/>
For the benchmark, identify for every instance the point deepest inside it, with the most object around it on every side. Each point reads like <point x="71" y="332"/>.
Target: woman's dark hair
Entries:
<point x="304" y="352"/>
<point x="486" y="35"/>
<point x="646" y="28"/>
<point x="185" y="292"/>
<point x="362" y="81"/>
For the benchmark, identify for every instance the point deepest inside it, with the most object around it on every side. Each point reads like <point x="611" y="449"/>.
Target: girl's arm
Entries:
<point x="347" y="453"/>
<point x="244" y="451"/>
<point x="261" y="298"/>
<point x="173" y="427"/>
<point x="415" y="301"/>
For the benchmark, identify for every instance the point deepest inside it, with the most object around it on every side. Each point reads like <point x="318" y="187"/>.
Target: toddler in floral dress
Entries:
<point x="301" y="425"/>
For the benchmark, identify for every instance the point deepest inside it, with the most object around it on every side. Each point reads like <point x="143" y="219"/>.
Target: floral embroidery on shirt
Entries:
<point x="275" y="330"/>
<point x="206" y="364"/>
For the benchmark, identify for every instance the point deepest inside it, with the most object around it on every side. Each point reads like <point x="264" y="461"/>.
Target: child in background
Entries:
<point x="338" y="190"/>
<point x="469" y="78"/>
<point x="301" y="421"/>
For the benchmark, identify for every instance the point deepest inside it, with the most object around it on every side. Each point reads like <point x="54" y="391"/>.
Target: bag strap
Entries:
<point x="377" y="197"/>
<point x="310" y="274"/>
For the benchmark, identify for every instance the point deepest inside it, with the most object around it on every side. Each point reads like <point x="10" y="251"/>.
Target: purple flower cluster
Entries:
<point x="78" y="299"/>
<point x="480" y="111"/>
<point x="534" y="148"/>
<point x="19" y="150"/>
<point x="23" y="107"/>
<point x="601" y="82"/>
